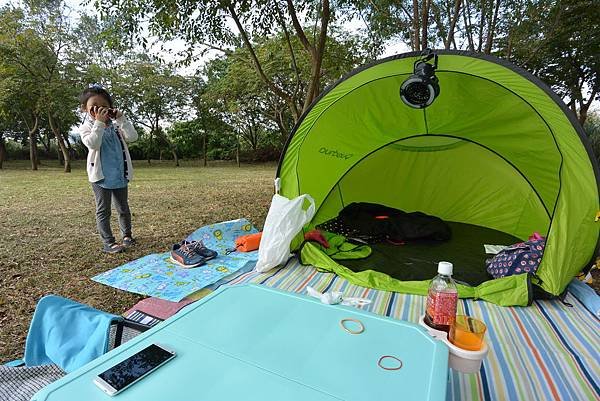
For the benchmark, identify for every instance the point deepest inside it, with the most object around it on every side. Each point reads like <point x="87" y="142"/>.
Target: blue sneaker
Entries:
<point x="200" y="249"/>
<point x="184" y="254"/>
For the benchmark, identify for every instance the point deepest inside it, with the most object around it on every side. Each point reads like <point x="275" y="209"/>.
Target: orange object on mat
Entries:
<point x="248" y="243"/>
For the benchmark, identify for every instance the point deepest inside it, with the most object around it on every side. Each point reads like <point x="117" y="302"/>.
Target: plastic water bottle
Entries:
<point x="442" y="299"/>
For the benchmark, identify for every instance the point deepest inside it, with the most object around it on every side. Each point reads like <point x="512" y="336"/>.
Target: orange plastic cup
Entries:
<point x="467" y="333"/>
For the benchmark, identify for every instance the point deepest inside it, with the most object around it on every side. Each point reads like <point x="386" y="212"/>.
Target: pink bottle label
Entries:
<point x="441" y="307"/>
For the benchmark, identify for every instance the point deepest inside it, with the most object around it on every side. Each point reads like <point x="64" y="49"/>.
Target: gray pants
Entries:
<point x="103" y="205"/>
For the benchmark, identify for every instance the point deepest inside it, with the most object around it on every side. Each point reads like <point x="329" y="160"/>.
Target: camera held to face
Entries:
<point x="112" y="113"/>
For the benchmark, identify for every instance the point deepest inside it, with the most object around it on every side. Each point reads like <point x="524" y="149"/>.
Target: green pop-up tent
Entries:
<point x="497" y="155"/>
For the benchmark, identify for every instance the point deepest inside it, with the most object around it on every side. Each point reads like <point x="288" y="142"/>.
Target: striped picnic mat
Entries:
<point x="548" y="351"/>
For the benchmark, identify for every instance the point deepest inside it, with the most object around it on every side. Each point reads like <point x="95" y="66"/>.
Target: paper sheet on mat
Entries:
<point x="494" y="249"/>
<point x="155" y="275"/>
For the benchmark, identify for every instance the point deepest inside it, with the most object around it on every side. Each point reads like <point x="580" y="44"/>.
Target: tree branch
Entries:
<point x="36" y="123"/>
<point x="591" y="98"/>
<point x="547" y="37"/>
<point x="410" y="18"/>
<point x="313" y="88"/>
<point x="278" y="91"/>
<point x="491" y="30"/>
<point x="210" y="46"/>
<point x="299" y="31"/>
<point x="314" y="30"/>
<point x="585" y="106"/>
<point x="282" y="23"/>
<point x="450" y="37"/>
<point x="436" y="15"/>
<point x="24" y="119"/>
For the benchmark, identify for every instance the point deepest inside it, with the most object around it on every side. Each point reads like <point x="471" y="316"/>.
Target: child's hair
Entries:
<point x="93" y="90"/>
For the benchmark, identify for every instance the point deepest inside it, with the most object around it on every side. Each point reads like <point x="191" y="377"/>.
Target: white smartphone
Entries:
<point x="119" y="377"/>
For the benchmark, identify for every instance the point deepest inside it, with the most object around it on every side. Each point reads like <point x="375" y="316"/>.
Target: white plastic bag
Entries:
<point x="285" y="219"/>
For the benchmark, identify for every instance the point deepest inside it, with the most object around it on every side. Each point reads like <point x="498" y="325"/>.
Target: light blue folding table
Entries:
<point x="256" y="343"/>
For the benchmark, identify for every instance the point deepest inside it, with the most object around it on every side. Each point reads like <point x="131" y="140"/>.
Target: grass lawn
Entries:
<point x="48" y="239"/>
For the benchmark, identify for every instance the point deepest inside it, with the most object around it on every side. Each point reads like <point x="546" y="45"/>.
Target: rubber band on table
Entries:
<point x="362" y="326"/>
<point x="379" y="363"/>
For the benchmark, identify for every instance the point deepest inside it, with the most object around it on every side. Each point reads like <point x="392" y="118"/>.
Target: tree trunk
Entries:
<point x="33" y="150"/>
<point x="61" y="159"/>
<point x="33" y="144"/>
<point x="237" y="149"/>
<point x="61" y="143"/>
<point x="314" y="86"/>
<point x="204" y="149"/>
<point x="69" y="147"/>
<point x="282" y="128"/>
<point x="254" y="141"/>
<point x="583" y="113"/>
<point x="572" y="106"/>
<point x="45" y="140"/>
<point x="468" y="26"/>
<point x="160" y="153"/>
<point x="584" y="107"/>
<point x="2" y="152"/>
<point x="481" y="25"/>
<point x="317" y="57"/>
<point x="175" y="157"/>
<point x="416" y="30"/>
<point x="509" y="45"/>
<point x="491" y="31"/>
<point x="149" y="150"/>
<point x="450" y="38"/>
<point x="425" y="25"/>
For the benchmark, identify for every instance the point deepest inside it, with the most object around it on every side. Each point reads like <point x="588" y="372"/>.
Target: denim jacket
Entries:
<point x="91" y="132"/>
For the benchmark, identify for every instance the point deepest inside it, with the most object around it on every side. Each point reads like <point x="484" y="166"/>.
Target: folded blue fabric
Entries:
<point x="586" y="295"/>
<point x="66" y="333"/>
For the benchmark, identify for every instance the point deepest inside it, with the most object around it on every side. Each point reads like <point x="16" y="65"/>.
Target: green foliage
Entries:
<point x="152" y="95"/>
<point x="257" y="114"/>
<point x="592" y="129"/>
<point x="22" y="58"/>
<point x="14" y="150"/>
<point x="195" y="22"/>
<point x="266" y="64"/>
<point x="560" y="42"/>
<point x="557" y="40"/>
<point x="37" y="87"/>
<point x="226" y="26"/>
<point x="187" y="137"/>
<point x="221" y="146"/>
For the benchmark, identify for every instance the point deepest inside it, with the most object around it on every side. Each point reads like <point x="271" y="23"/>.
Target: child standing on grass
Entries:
<point x="105" y="132"/>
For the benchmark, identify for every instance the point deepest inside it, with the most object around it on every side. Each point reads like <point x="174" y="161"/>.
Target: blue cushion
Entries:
<point x="66" y="333"/>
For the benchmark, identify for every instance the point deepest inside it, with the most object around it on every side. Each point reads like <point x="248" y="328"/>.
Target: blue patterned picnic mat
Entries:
<point x="155" y="275"/>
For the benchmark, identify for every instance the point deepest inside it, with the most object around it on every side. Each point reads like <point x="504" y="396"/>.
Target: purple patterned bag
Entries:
<point x="524" y="257"/>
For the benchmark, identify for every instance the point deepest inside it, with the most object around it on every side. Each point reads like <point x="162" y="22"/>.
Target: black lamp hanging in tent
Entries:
<point x="420" y="89"/>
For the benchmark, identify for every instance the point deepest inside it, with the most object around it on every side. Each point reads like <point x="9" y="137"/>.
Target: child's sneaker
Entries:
<point x="200" y="249"/>
<point x="185" y="255"/>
